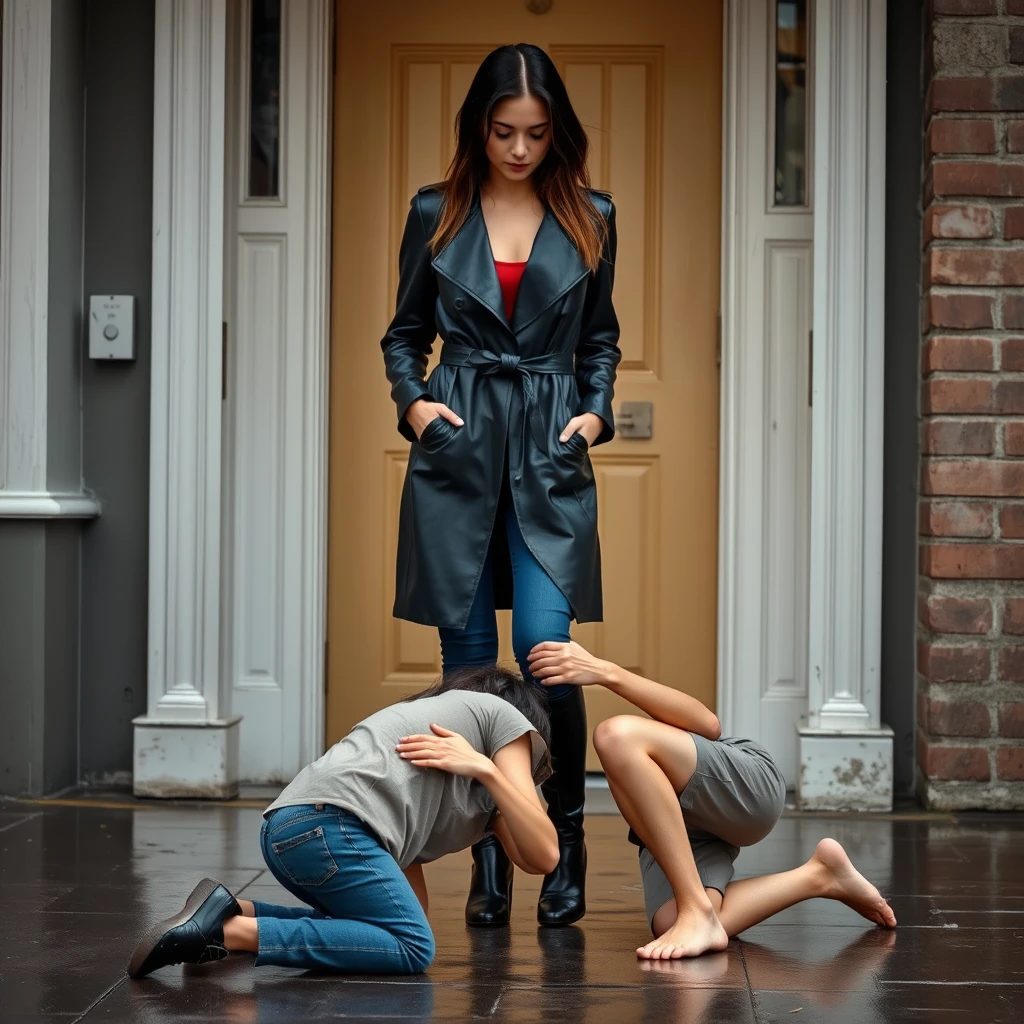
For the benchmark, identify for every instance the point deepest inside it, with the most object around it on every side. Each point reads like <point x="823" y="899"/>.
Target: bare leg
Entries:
<point x="829" y="874"/>
<point x="648" y="764"/>
<point x="247" y="908"/>
<point x="241" y="934"/>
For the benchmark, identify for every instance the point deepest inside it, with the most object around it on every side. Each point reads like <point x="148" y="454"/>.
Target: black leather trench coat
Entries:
<point x="515" y="385"/>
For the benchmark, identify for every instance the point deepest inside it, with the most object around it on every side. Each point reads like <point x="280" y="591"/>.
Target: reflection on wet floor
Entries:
<point x="80" y="882"/>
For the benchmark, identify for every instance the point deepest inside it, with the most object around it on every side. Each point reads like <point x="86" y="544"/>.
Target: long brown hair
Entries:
<point x="562" y="177"/>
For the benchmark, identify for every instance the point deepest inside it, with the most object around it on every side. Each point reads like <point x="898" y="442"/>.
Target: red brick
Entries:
<point x="1015" y="136"/>
<point x="1011" y="720"/>
<point x="956" y="614"/>
<point x="957" y="718"/>
<point x="1013" y="311"/>
<point x="956" y="519"/>
<point x="962" y="94"/>
<point x="964" y="7"/>
<point x="960" y="763"/>
<point x="958" y="222"/>
<point x="956" y="395"/>
<point x="973" y="561"/>
<point x="1010" y="763"/>
<point x="1008" y="399"/>
<point x="953" y="136"/>
<point x="1011" y="354"/>
<point x="1013" y="616"/>
<point x="952" y="437"/>
<point x="1013" y="439"/>
<point x="968" y="312"/>
<point x="963" y="178"/>
<point x="1016" y="44"/>
<point x="980" y="479"/>
<point x="953" y="664"/>
<point x="1011" y="664"/>
<point x="1013" y="222"/>
<point x="958" y="353"/>
<point x="1015" y="6"/>
<point x="1011" y="522"/>
<point x="977" y="267"/>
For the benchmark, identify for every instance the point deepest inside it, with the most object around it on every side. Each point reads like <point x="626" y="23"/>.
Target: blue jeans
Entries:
<point x="362" y="918"/>
<point x="540" y="611"/>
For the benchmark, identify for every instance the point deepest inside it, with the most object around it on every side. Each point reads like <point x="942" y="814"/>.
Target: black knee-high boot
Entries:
<point x="490" y="888"/>
<point x="563" y="894"/>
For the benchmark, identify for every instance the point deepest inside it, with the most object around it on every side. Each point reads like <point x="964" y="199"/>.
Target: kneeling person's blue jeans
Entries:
<point x="363" y="916"/>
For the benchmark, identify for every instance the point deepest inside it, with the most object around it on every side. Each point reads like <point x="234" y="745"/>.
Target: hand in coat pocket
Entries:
<point x="588" y="426"/>
<point x="422" y="413"/>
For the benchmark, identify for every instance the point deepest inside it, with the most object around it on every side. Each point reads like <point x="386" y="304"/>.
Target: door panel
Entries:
<point x="645" y="78"/>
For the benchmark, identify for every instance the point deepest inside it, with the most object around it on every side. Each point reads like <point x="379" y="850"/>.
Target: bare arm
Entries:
<point x="513" y="761"/>
<point x="509" y="780"/>
<point x="414" y="875"/>
<point x="560" y="663"/>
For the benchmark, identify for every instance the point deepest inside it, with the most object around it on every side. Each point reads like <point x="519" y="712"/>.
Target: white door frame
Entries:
<point x="845" y="563"/>
<point x="845" y="753"/>
<point x="187" y="742"/>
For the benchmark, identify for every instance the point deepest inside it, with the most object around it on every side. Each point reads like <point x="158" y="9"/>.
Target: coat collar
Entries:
<point x="553" y="268"/>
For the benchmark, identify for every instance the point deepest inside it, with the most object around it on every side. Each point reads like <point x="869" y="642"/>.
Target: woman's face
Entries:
<point x="520" y="137"/>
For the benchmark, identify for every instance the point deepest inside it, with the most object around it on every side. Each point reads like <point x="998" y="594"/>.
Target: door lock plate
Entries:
<point x="634" y="419"/>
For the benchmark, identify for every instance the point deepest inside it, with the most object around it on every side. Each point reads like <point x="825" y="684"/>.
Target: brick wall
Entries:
<point x="970" y="658"/>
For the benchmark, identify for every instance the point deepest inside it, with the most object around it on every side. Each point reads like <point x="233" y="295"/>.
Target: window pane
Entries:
<point x="791" y="103"/>
<point x="265" y="99"/>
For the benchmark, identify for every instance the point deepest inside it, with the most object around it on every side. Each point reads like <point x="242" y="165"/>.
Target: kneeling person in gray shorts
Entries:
<point x="692" y="799"/>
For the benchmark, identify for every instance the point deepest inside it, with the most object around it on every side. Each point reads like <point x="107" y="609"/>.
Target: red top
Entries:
<point x="509" y="277"/>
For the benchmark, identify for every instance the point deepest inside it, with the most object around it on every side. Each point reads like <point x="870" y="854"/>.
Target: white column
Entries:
<point x="846" y="753"/>
<point x="185" y="745"/>
<point x="24" y="269"/>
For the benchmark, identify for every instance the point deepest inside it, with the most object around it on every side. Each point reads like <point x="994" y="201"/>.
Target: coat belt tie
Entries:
<point x="505" y="364"/>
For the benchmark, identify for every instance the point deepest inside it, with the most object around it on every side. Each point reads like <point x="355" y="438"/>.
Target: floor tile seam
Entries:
<point x="746" y="976"/>
<point x="21" y="821"/>
<point x="99" y="999"/>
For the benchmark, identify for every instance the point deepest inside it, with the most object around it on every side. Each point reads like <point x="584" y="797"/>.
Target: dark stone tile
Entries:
<point x="79" y="884"/>
<point x="154" y="897"/>
<point x="817" y="958"/>
<point x="13" y="818"/>
<point x="928" y="1004"/>
<point x="983" y="911"/>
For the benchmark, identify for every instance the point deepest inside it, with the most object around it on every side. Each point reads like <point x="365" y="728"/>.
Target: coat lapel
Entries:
<point x="467" y="261"/>
<point x="554" y="267"/>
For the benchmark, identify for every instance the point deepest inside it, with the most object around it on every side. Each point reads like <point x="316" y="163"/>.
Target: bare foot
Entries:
<point x="846" y="884"/>
<point x="693" y="933"/>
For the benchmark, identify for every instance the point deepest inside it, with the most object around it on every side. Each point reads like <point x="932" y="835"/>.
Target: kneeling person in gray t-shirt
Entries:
<point x="411" y="783"/>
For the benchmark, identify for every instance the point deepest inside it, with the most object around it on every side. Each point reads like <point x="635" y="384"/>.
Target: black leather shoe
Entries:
<point x="195" y="935"/>
<point x="490" y="888"/>
<point x="563" y="897"/>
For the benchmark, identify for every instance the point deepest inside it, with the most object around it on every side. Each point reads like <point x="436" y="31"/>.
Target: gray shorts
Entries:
<point x="734" y="799"/>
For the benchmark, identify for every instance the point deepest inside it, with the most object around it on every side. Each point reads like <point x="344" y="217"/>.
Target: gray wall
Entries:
<point x="73" y="595"/>
<point x="64" y="315"/>
<point x="39" y="561"/>
<point x="115" y="396"/>
<point x="902" y="364"/>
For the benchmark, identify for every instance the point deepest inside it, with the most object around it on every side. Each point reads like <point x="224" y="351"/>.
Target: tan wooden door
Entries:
<point x="645" y="77"/>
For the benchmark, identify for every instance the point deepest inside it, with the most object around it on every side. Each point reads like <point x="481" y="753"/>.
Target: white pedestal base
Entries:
<point x="186" y="760"/>
<point x="845" y="771"/>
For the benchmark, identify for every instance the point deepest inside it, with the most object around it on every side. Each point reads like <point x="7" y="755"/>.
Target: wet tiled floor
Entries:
<point x="79" y="882"/>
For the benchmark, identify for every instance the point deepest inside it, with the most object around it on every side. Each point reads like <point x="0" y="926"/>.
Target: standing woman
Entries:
<point x="510" y="260"/>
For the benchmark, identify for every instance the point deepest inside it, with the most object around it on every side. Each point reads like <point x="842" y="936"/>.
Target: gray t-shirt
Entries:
<point x="419" y="814"/>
